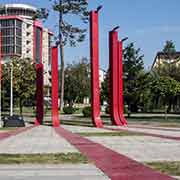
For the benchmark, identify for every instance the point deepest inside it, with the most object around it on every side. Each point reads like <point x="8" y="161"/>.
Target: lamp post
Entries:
<point x="11" y="98"/>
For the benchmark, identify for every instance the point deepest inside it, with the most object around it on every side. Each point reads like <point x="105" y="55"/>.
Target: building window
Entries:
<point x="49" y="50"/>
<point x="11" y="34"/>
<point x="38" y="45"/>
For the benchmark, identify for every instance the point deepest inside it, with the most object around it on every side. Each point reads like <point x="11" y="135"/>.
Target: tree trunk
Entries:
<point x="20" y="106"/>
<point x="62" y="77"/>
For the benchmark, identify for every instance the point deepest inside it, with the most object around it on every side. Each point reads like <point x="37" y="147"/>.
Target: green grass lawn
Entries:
<point x="170" y="119"/>
<point x="171" y="168"/>
<point x="60" y="158"/>
<point x="100" y="134"/>
<point x="7" y="128"/>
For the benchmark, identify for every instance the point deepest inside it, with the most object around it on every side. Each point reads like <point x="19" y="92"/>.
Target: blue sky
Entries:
<point x="147" y="23"/>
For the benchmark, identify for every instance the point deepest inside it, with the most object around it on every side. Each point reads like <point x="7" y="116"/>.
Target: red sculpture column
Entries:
<point x="39" y="94"/>
<point x="95" y="87"/>
<point x="0" y="58"/>
<point x="120" y="84"/>
<point x="113" y="58"/>
<point x="38" y="40"/>
<point x="0" y="71"/>
<point x="55" y="112"/>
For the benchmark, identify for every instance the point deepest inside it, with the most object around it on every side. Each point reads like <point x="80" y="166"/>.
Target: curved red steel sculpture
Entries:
<point x="95" y="87"/>
<point x="55" y="112"/>
<point x="113" y="61"/>
<point x="39" y="94"/>
<point x="120" y="84"/>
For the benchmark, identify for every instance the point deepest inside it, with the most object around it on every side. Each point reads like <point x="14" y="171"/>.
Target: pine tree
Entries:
<point x="133" y="72"/>
<point x="169" y="47"/>
<point x="68" y="32"/>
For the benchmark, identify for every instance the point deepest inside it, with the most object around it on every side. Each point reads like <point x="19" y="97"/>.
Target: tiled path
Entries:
<point x="4" y="135"/>
<point x="142" y="148"/>
<point x="172" y="135"/>
<point x="41" y="139"/>
<point x="51" y="172"/>
<point x="116" y="166"/>
<point x="114" y="161"/>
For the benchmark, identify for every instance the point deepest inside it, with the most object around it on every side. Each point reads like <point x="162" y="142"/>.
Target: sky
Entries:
<point x="147" y="23"/>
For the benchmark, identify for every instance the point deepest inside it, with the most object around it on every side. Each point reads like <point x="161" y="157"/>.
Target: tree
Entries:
<point x="167" y="73"/>
<point x="77" y="81"/>
<point x="105" y="89"/>
<point x="41" y="13"/>
<point x="167" y="89"/>
<point x="24" y="76"/>
<point x="68" y="32"/>
<point x="169" y="47"/>
<point x="133" y="71"/>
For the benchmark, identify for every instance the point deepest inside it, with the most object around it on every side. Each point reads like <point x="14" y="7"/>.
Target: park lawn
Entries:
<point x="7" y="129"/>
<point x="171" y="168"/>
<point x="100" y="134"/>
<point x="59" y="158"/>
<point x="161" y="119"/>
<point x="75" y="122"/>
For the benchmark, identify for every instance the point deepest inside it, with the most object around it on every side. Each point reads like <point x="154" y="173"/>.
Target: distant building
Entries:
<point x="24" y="37"/>
<point x="166" y="57"/>
<point x="102" y="75"/>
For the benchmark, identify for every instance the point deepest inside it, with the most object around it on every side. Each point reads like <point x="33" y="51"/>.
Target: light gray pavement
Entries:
<point x="51" y="172"/>
<point x="79" y="129"/>
<point x="42" y="139"/>
<point x="142" y="148"/>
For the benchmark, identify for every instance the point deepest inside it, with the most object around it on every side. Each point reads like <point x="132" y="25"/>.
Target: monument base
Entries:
<point x="13" y="121"/>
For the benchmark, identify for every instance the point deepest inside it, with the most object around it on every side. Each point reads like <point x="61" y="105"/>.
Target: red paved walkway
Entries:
<point x="5" y="135"/>
<point x="113" y="164"/>
<point x="147" y="134"/>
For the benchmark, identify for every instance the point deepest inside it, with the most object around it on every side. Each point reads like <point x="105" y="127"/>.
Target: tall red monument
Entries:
<point x="94" y="52"/>
<point x="55" y="112"/>
<point x="120" y="83"/>
<point x="39" y="94"/>
<point x="113" y="61"/>
<point x="116" y="79"/>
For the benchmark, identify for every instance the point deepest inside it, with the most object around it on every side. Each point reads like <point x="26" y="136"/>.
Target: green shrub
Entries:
<point x="69" y="110"/>
<point x="86" y="112"/>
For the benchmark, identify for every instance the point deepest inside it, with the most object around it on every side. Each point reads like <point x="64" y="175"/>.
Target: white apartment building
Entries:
<point x="25" y="37"/>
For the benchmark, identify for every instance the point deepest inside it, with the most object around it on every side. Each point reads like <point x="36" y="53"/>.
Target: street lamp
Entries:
<point x="11" y="98"/>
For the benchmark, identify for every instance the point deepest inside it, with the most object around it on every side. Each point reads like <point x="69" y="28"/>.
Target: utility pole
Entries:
<point x="61" y="54"/>
<point x="11" y="99"/>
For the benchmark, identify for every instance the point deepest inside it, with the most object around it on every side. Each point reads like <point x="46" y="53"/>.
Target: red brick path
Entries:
<point x="113" y="164"/>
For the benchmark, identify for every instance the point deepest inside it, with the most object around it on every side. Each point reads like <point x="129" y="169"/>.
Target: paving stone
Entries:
<point x="79" y="129"/>
<point x="55" y="172"/>
<point x="142" y="148"/>
<point x="42" y="139"/>
<point x="151" y="131"/>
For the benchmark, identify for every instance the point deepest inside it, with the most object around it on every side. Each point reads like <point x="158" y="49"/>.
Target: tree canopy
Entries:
<point x="169" y="47"/>
<point x="77" y="81"/>
<point x="24" y="77"/>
